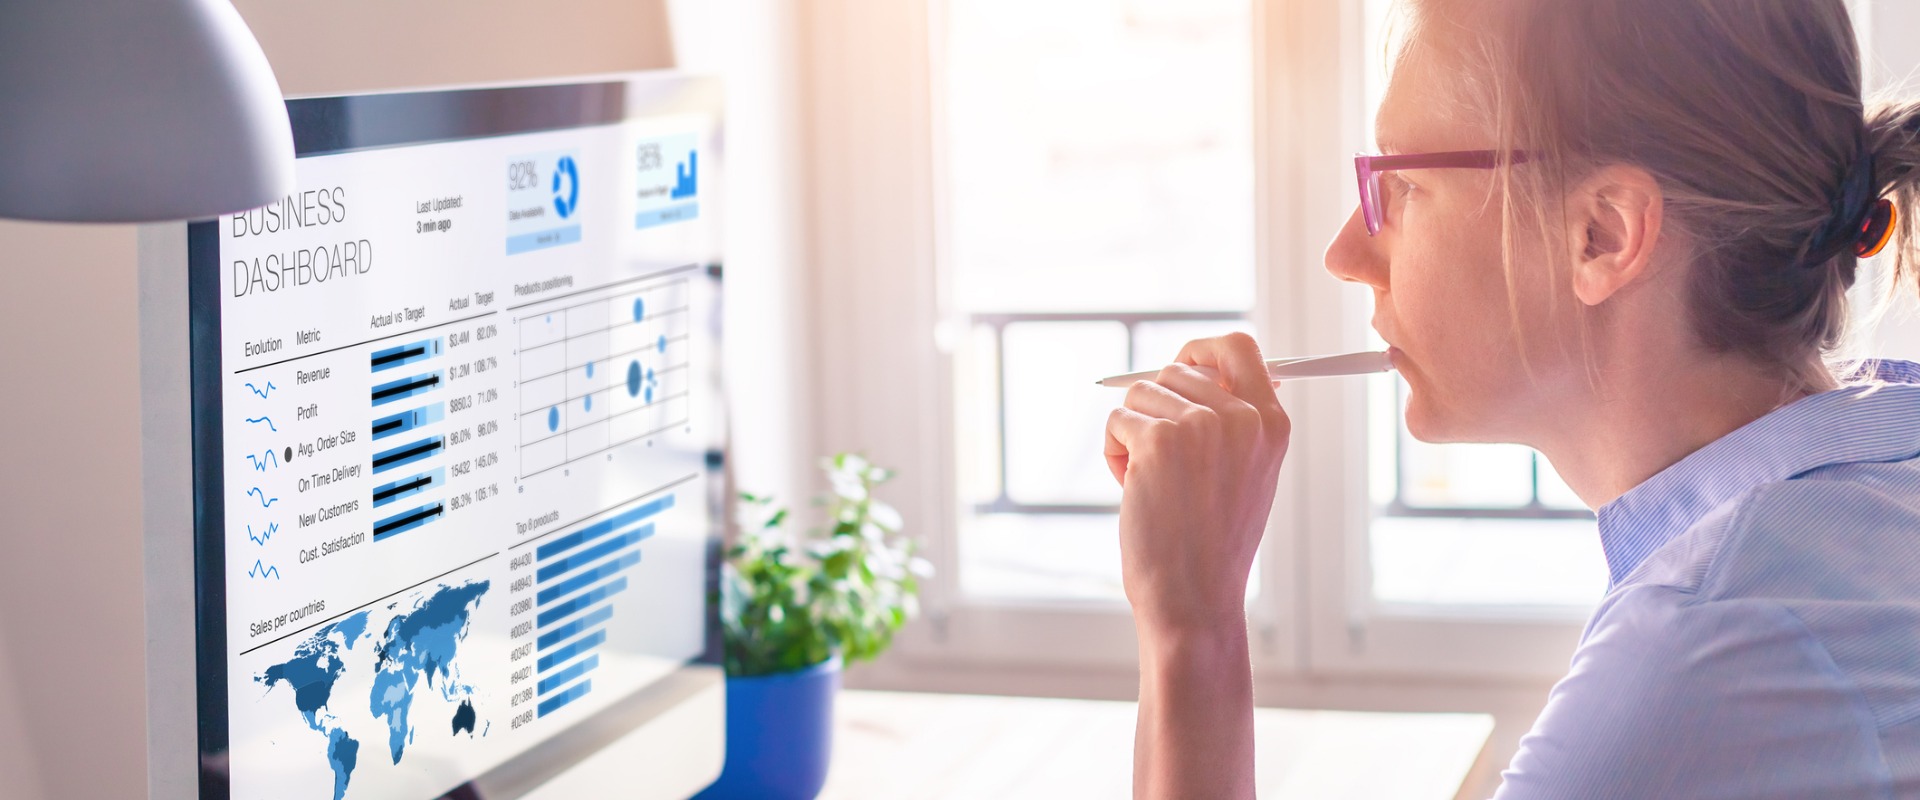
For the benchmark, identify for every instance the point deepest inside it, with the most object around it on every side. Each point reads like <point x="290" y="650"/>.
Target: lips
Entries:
<point x="1395" y="355"/>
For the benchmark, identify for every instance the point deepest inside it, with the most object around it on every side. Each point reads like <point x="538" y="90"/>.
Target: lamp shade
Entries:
<point x="136" y="111"/>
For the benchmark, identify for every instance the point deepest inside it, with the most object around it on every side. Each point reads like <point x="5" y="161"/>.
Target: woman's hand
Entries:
<point x="1197" y="458"/>
<point x="1197" y="455"/>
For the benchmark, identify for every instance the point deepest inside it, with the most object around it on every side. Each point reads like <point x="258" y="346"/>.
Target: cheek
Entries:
<point x="1450" y="298"/>
<point x="1451" y="311"/>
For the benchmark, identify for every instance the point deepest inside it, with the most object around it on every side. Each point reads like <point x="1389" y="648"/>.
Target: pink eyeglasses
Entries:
<point x="1373" y="206"/>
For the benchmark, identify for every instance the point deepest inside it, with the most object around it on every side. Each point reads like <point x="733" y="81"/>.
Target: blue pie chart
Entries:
<point x="565" y="174"/>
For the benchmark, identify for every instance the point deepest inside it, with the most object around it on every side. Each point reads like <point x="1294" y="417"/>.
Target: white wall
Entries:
<point x="70" y="579"/>
<point x="72" y="697"/>
<point x="344" y="46"/>
<point x="15" y="762"/>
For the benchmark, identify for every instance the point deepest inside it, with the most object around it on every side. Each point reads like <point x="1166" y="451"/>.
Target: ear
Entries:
<point x="1613" y="223"/>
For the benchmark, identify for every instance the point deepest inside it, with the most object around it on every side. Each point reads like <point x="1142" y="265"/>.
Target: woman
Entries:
<point x="1638" y="268"/>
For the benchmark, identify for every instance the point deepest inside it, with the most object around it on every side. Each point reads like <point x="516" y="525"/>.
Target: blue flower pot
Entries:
<point x="779" y="735"/>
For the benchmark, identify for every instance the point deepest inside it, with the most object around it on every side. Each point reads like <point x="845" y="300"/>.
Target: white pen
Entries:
<point x="1289" y="368"/>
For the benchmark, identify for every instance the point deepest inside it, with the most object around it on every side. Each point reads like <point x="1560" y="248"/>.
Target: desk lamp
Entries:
<point x="136" y="111"/>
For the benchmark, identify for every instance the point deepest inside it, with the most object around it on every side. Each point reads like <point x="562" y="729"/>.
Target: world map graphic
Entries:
<point x="419" y="645"/>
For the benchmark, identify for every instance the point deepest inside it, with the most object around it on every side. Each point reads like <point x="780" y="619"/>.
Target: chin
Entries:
<point x="1435" y="425"/>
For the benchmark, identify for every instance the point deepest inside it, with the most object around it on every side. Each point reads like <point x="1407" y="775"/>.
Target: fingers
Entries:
<point x="1237" y="358"/>
<point x="1149" y="402"/>
<point x="1196" y="386"/>
<point x="1156" y="399"/>
<point x="1177" y="391"/>
<point x="1125" y="427"/>
<point x="1240" y="401"/>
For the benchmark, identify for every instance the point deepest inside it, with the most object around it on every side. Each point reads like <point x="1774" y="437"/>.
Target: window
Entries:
<point x="1001" y="188"/>
<point x="1473" y="525"/>
<point x="1098" y="182"/>
<point x="1893" y="72"/>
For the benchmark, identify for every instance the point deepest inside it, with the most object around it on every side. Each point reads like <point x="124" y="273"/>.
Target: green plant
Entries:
<point x="788" y="603"/>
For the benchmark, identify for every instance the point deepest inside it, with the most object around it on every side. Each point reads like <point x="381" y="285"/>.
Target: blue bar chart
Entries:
<point x="672" y="164"/>
<point x="390" y="357"/>
<point x="420" y="457"/>
<point x="409" y="486"/>
<point x="407" y="520"/>
<point x="576" y="572"/>
<point x="407" y="454"/>
<point x="404" y="388"/>
<point x="404" y="421"/>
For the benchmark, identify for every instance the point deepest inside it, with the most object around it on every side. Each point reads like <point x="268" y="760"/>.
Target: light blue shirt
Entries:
<point x="1761" y="637"/>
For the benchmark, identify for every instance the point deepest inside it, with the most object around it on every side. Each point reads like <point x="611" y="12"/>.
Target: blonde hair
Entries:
<point x="1750" y="115"/>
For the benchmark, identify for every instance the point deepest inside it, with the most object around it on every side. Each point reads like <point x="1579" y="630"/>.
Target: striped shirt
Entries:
<point x="1761" y="636"/>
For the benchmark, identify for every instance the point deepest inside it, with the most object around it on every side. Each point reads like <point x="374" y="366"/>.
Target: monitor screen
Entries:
<point x="454" y="433"/>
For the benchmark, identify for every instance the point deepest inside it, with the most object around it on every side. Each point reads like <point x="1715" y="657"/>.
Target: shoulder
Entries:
<point x="1761" y="653"/>
<point x="1836" y="549"/>
<point x="1669" y="696"/>
<point x="1841" y="532"/>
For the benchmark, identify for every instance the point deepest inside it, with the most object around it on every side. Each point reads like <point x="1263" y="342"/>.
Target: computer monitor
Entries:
<point x="443" y="497"/>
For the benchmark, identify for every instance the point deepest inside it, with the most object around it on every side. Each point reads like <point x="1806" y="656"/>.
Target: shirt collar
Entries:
<point x="1879" y="421"/>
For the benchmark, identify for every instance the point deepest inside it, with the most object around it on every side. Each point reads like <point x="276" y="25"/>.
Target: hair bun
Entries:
<point x="1854" y="210"/>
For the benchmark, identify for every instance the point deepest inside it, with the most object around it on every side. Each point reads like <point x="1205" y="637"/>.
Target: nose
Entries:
<point x="1355" y="256"/>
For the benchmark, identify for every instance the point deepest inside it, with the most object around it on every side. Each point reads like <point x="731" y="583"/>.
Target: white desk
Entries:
<point x="906" y="746"/>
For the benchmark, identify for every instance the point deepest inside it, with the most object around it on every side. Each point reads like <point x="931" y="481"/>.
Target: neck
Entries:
<point x="1639" y="418"/>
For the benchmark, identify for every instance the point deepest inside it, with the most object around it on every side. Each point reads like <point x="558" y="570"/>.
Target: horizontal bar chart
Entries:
<point x="406" y="387"/>
<point x="407" y="453"/>
<point x="576" y="572"/>
<point x="407" y="520"/>
<point x="409" y="486"/>
<point x="557" y="701"/>
<point x="566" y="609"/>
<point x="565" y="676"/>
<point x="408" y="420"/>
<point x="602" y="528"/>
<point x="577" y="647"/>
<point x="564" y="565"/>
<point x="567" y="631"/>
<point x="549" y="594"/>
<point x="391" y="357"/>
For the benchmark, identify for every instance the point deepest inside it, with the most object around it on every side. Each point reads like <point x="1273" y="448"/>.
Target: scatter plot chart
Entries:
<point x="603" y="372"/>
